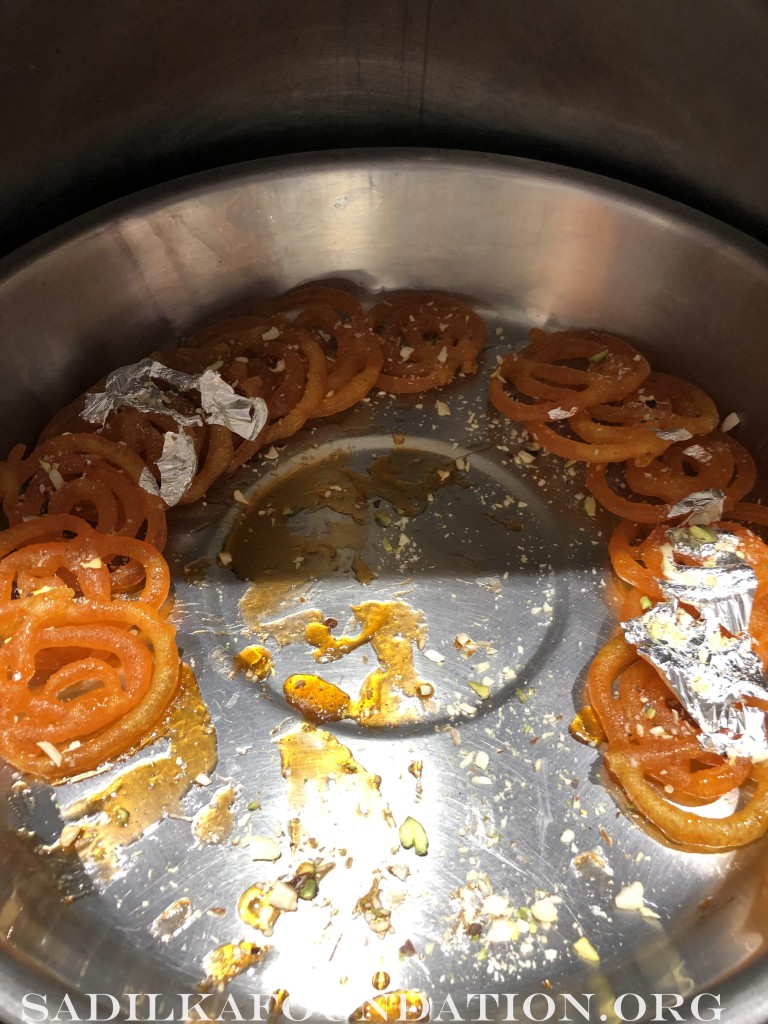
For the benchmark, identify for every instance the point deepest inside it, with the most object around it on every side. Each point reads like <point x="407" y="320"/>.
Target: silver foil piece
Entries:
<point x="711" y="673"/>
<point x="695" y="451"/>
<point x="246" y="417"/>
<point x="708" y="660"/>
<point x="137" y="386"/>
<point x="177" y="465"/>
<point x="699" y="507"/>
<point x="674" y="435"/>
<point x="148" y="482"/>
<point x="722" y="588"/>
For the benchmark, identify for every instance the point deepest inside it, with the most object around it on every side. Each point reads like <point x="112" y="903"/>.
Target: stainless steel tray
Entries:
<point x="527" y="244"/>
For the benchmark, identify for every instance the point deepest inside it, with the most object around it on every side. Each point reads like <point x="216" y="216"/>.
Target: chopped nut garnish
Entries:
<point x="413" y="836"/>
<point x="586" y="950"/>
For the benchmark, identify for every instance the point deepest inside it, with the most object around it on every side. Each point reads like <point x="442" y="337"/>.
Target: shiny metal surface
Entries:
<point x="528" y="244"/>
<point x="100" y="100"/>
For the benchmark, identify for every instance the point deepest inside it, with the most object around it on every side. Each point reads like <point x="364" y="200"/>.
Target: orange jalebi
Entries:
<point x="88" y="662"/>
<point x="87" y="476"/>
<point x="681" y="824"/>
<point x="654" y="753"/>
<point x="427" y="338"/>
<point x="716" y="461"/>
<point x="85" y="673"/>
<point x="41" y="528"/>
<point x="749" y="512"/>
<point x="81" y="681"/>
<point x="634" y="427"/>
<point x="611" y="369"/>
<point x="85" y="566"/>
<point x="353" y="353"/>
<point x="637" y="559"/>
<point x="653" y="747"/>
<point x="261" y="357"/>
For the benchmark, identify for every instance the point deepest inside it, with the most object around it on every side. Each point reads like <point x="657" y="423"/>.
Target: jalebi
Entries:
<point x="713" y="462"/>
<point x="427" y="338"/>
<point x="84" y="475"/>
<point x="81" y="681"/>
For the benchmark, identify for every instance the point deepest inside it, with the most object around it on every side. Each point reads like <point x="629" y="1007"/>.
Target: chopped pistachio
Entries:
<point x="599" y="357"/>
<point x="413" y="836"/>
<point x="586" y="950"/>
<point x="649" y="711"/>
<point x="308" y="889"/>
<point x="645" y="603"/>
<point x="121" y="815"/>
<point x="254" y="805"/>
<point x="482" y="691"/>
<point x="382" y="518"/>
<point x="590" y="506"/>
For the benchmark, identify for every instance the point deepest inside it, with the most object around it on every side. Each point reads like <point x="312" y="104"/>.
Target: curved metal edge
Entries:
<point x="298" y="164"/>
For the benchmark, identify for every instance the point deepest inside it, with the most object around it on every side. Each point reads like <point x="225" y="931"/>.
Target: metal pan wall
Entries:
<point x="99" y="99"/>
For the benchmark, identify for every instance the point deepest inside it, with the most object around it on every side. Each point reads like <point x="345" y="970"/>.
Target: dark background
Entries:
<point x="99" y="98"/>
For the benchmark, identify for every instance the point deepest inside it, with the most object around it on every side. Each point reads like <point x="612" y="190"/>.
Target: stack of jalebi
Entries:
<point x="427" y="339"/>
<point x="143" y="432"/>
<point x="653" y="751"/>
<point x="88" y="476"/>
<point x="312" y="353"/>
<point x="652" y="744"/>
<point x="89" y="661"/>
<point x="649" y="441"/>
<point x="616" y="408"/>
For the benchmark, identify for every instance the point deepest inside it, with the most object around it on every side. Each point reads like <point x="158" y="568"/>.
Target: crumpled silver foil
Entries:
<point x="561" y="414"/>
<point x="674" y="435"/>
<point x="222" y="405"/>
<point x="722" y="588"/>
<point x="148" y="482"/>
<point x="177" y="465"/>
<point x="710" y="670"/>
<point x="135" y="385"/>
<point x="697" y="452"/>
<point x="699" y="507"/>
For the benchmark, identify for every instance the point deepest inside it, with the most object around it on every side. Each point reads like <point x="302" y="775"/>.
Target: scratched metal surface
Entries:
<point x="538" y="246"/>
